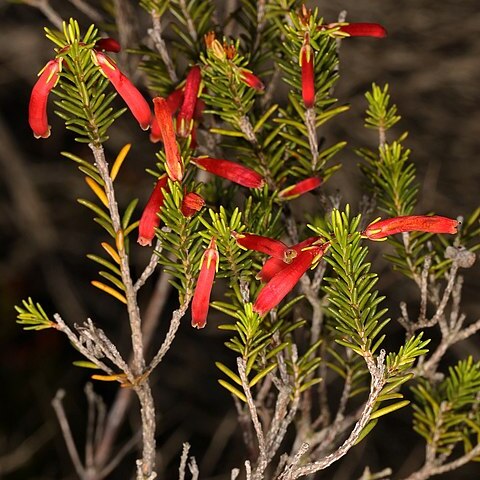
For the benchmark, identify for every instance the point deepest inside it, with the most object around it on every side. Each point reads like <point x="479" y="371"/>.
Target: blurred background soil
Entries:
<point x="431" y="59"/>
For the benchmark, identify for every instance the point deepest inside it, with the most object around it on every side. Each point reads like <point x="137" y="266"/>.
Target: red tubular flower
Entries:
<point x="126" y="89"/>
<point x="361" y="29"/>
<point x="273" y="265"/>
<point x="150" y="219"/>
<point x="231" y="171"/>
<point x="108" y="44"/>
<point x="304" y="186"/>
<point x="380" y="229"/>
<point x="203" y="289"/>
<point x="308" y="73"/>
<point x="251" y="80"/>
<point x="37" y="108"/>
<point x="191" y="92"/>
<point x="284" y="281"/>
<point x="174" y="165"/>
<point x="174" y="100"/>
<point x="270" y="246"/>
<point x="192" y="203"/>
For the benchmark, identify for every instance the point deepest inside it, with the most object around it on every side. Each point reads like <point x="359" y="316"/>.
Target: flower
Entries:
<point x="192" y="203"/>
<point x="284" y="280"/>
<point x="231" y="171"/>
<point x="308" y="73"/>
<point x="246" y="76"/>
<point x="187" y="110"/>
<point x="270" y="246"/>
<point x="125" y="88"/>
<point x="359" y="29"/>
<point x="150" y="219"/>
<point x="37" y="108"/>
<point x="380" y="229"/>
<point x="304" y="186"/>
<point x="174" y="165"/>
<point x="273" y="265"/>
<point x="174" y="100"/>
<point x="203" y="289"/>
<point x="108" y="44"/>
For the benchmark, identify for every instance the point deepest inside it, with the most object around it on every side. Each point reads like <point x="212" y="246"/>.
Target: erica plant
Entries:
<point x="241" y="220"/>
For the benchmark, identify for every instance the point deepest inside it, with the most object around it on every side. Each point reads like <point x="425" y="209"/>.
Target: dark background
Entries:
<point x="431" y="61"/>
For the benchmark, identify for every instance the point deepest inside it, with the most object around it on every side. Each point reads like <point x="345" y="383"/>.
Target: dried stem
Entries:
<point x="146" y="465"/>
<point x="190" y="25"/>
<point x="156" y="35"/>
<point x="88" y="10"/>
<point x="377" y="383"/>
<point x="150" y="268"/>
<point x="67" y="433"/>
<point x="262" y="457"/>
<point x="45" y="7"/>
<point x="174" y="324"/>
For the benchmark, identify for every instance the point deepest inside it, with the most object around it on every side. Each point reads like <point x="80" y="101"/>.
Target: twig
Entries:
<point x="430" y="470"/>
<point x="88" y="10"/>
<point x="67" y="433"/>
<point x="183" y="461"/>
<point x="84" y="350"/>
<point x="150" y="268"/>
<point x="130" y="294"/>
<point x="193" y="467"/>
<point x="145" y="466"/>
<point x="96" y="339"/>
<point x="190" y="25"/>
<point x="44" y="6"/>
<point x="174" y="324"/>
<point x="156" y="35"/>
<point x="377" y="383"/>
<point x="262" y="457"/>
<point x="288" y="471"/>
<point x="127" y="447"/>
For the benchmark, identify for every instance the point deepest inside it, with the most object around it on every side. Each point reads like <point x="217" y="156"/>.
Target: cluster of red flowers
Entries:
<point x="286" y="265"/>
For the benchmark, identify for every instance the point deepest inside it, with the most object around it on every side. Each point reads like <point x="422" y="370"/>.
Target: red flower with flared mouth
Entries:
<point x="231" y="171"/>
<point x="274" y="265"/>
<point x="381" y="229"/>
<point x="37" y="108"/>
<point x="300" y="188"/>
<point x="150" y="219"/>
<point x="187" y="110"/>
<point x="203" y="289"/>
<point x="308" y="73"/>
<point x="286" y="279"/>
<point x="125" y="88"/>
<point x="174" y="165"/>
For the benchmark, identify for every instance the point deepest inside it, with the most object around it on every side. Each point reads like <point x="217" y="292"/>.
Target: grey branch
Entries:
<point x="262" y="457"/>
<point x="150" y="268"/>
<point x="86" y="350"/>
<point x="174" y="324"/>
<point x="377" y="372"/>
<point x="67" y="433"/>
<point x="156" y="35"/>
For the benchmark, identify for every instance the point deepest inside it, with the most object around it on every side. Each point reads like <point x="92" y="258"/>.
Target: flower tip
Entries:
<point x="42" y="135"/>
<point x="198" y="323"/>
<point x="144" y="242"/>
